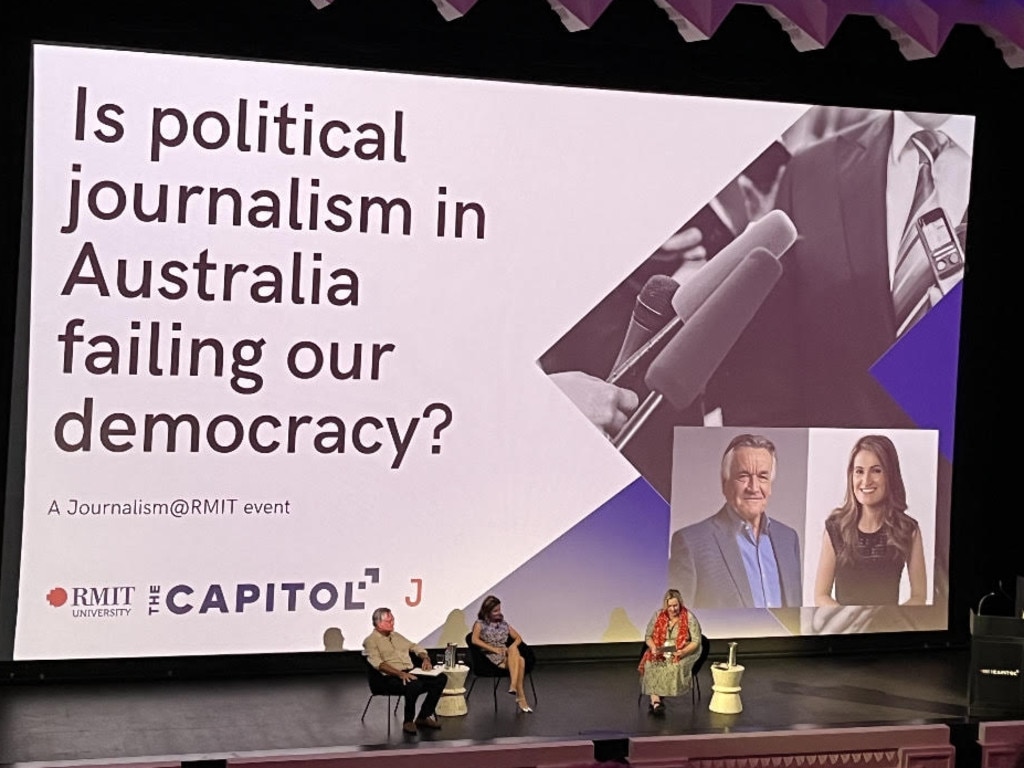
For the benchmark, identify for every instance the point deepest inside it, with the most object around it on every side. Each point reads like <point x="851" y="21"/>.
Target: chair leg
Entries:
<point x="533" y="687"/>
<point x="495" y="692"/>
<point x="367" y="707"/>
<point x="471" y="685"/>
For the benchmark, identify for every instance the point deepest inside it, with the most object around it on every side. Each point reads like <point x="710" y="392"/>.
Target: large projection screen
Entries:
<point x="298" y="342"/>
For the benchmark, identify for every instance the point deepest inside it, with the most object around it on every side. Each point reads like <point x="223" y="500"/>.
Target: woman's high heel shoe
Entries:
<point x="524" y="706"/>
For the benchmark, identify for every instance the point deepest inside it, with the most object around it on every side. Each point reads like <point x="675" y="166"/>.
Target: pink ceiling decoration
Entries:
<point x="453" y="9"/>
<point x="1001" y="20"/>
<point x="696" y="19"/>
<point x="578" y="14"/>
<point x="919" y="27"/>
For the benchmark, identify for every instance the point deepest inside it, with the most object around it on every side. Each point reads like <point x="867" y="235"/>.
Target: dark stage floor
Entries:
<point x="594" y="700"/>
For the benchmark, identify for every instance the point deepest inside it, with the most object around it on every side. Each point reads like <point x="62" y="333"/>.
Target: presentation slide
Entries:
<point x="300" y="342"/>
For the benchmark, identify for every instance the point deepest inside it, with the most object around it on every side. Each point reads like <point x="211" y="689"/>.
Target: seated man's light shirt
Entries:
<point x="758" y="561"/>
<point x="392" y="650"/>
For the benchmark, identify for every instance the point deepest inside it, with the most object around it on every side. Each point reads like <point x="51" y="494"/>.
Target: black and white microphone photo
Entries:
<point x="653" y="309"/>
<point x="683" y="368"/>
<point x="773" y="232"/>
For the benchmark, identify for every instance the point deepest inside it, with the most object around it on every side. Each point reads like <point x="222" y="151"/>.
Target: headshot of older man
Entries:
<point x="739" y="557"/>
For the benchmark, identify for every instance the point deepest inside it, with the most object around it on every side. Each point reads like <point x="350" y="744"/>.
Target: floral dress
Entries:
<point x="663" y="678"/>
<point x="494" y="633"/>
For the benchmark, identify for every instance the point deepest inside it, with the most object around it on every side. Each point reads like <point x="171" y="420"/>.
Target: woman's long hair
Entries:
<point x="899" y="527"/>
<point x="484" y="614"/>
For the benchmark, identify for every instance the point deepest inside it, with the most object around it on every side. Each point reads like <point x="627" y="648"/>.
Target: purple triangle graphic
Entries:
<point x="919" y="371"/>
<point x="615" y="558"/>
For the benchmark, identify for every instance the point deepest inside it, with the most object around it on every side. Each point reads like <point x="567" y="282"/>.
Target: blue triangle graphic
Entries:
<point x="615" y="558"/>
<point x="919" y="371"/>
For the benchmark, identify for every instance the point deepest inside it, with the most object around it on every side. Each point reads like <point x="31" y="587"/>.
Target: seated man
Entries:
<point x="388" y="653"/>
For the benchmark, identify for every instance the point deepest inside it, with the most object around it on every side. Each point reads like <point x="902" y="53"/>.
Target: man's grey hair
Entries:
<point x="746" y="441"/>
<point x="379" y="614"/>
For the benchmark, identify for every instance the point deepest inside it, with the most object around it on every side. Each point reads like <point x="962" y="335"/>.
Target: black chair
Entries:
<point x="481" y="666"/>
<point x="698" y="665"/>
<point x="376" y="682"/>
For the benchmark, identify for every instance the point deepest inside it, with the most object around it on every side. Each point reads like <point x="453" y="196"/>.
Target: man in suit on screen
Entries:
<point x="854" y="198"/>
<point x="739" y="557"/>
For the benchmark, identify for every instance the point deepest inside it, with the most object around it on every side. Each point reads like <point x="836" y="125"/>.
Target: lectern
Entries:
<point x="996" y="683"/>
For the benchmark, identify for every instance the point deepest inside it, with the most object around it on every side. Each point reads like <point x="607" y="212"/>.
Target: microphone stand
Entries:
<point x="650" y="348"/>
<point x="640" y="416"/>
<point x="633" y="424"/>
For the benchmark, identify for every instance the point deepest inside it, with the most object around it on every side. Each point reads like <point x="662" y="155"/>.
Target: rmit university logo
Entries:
<point x="94" y="602"/>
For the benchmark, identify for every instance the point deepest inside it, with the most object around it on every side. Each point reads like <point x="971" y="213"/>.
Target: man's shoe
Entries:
<point x="428" y="722"/>
<point x="409" y="727"/>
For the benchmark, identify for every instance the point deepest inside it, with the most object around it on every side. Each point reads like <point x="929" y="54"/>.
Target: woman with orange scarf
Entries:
<point x="673" y="645"/>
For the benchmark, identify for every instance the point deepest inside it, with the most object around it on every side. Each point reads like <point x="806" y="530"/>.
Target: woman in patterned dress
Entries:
<point x="500" y="643"/>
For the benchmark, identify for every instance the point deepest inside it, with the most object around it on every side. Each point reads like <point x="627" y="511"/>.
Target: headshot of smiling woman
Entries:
<point x="870" y="539"/>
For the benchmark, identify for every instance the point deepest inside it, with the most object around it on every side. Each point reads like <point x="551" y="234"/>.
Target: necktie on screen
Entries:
<point x="913" y="277"/>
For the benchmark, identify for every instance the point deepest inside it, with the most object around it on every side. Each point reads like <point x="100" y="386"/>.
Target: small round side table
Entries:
<point x="726" y="686"/>
<point x="453" y="699"/>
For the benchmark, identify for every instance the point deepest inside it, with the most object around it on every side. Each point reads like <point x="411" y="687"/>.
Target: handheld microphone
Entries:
<point x="683" y="368"/>
<point x="773" y="232"/>
<point x="653" y="309"/>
